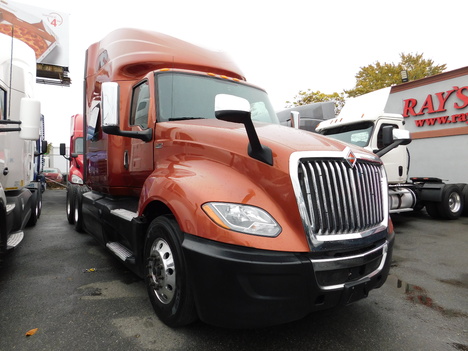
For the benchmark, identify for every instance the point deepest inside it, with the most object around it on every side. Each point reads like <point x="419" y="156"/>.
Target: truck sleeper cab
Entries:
<point x="20" y="195"/>
<point x="228" y="216"/>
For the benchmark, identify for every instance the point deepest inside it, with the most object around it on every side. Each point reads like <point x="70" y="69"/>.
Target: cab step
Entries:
<point x="121" y="251"/>
<point x="14" y="240"/>
<point x="124" y="214"/>
<point x="10" y="207"/>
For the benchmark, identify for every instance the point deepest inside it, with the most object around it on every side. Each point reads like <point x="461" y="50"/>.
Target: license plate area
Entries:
<point x="355" y="291"/>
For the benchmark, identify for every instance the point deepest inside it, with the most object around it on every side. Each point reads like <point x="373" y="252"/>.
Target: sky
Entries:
<point x="282" y="46"/>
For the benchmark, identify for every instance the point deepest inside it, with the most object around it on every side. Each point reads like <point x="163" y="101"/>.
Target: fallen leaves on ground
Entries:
<point x="32" y="332"/>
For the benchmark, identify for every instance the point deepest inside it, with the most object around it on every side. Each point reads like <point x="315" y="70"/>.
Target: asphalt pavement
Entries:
<point x="79" y="297"/>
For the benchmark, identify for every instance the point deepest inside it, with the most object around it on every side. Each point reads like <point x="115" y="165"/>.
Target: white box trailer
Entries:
<point x="20" y="197"/>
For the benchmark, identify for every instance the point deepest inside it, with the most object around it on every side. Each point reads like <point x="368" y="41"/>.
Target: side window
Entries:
<point x="380" y="144"/>
<point x="2" y="104"/>
<point x="140" y="105"/>
<point x="79" y="146"/>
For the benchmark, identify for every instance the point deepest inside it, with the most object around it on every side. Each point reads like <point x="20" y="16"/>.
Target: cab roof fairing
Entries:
<point x="131" y="53"/>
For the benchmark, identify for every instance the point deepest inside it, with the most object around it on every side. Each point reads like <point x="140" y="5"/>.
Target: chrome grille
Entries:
<point x="340" y="199"/>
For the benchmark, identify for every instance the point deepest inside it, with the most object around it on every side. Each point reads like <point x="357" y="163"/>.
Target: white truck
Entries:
<point x="20" y="196"/>
<point x="364" y="122"/>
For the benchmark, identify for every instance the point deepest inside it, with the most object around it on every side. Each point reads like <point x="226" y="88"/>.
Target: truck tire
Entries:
<point x="70" y="205"/>
<point x="465" y="199"/>
<point x="3" y="230"/>
<point x="78" y="212"/>
<point x="166" y="272"/>
<point x="451" y="205"/>
<point x="432" y="209"/>
<point x="36" y="208"/>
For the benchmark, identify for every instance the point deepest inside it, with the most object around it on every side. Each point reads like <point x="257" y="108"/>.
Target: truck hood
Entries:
<point x="207" y="160"/>
<point x="232" y="137"/>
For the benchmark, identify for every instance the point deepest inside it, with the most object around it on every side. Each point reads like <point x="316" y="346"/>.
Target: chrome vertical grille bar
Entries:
<point x="339" y="214"/>
<point x="363" y="203"/>
<point x="371" y="192"/>
<point x="307" y="193"/>
<point x="348" y="197"/>
<point x="340" y="199"/>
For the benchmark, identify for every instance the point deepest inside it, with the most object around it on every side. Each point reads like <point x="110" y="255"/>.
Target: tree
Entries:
<point x="310" y="97"/>
<point x="373" y="77"/>
<point x="377" y="76"/>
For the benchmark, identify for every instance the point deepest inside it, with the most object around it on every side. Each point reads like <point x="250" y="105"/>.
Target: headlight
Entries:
<point x="76" y="180"/>
<point x="242" y="218"/>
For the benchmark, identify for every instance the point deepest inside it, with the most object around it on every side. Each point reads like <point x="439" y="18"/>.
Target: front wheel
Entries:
<point x="78" y="213"/>
<point x="70" y="206"/>
<point x="167" y="278"/>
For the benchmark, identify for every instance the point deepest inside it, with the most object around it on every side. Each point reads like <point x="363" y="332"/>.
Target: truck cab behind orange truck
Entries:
<point x="75" y="171"/>
<point x="230" y="217"/>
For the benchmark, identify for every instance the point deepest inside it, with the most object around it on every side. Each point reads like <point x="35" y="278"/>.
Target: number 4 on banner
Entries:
<point x="54" y="19"/>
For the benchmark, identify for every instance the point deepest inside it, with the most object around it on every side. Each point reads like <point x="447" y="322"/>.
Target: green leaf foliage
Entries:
<point x="377" y="76"/>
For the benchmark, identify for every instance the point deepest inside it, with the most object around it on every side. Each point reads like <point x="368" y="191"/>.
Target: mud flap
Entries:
<point x="355" y="291"/>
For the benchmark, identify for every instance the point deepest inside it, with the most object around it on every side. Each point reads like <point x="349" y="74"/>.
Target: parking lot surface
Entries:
<point x="80" y="298"/>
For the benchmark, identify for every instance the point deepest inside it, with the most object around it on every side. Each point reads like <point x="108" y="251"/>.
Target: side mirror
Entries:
<point x="42" y="150"/>
<point x="295" y="119"/>
<point x="110" y="106"/>
<point x="30" y="117"/>
<point x="232" y="108"/>
<point x="235" y="109"/>
<point x="63" y="151"/>
<point x="110" y="97"/>
<point x="387" y="135"/>
<point x="402" y="135"/>
<point x="392" y="138"/>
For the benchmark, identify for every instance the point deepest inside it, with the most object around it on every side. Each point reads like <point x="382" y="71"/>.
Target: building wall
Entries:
<point x="436" y="114"/>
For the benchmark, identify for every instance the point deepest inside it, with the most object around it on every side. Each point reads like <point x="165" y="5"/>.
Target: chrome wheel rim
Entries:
<point x="454" y="202"/>
<point x="162" y="273"/>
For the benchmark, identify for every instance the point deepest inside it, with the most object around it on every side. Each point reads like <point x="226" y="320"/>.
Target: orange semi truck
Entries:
<point x="231" y="218"/>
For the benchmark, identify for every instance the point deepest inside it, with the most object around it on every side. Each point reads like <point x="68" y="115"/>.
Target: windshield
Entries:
<point x="357" y="134"/>
<point x="79" y="146"/>
<point x="189" y="96"/>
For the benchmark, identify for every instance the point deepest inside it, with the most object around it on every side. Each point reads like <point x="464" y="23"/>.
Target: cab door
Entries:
<point x="396" y="160"/>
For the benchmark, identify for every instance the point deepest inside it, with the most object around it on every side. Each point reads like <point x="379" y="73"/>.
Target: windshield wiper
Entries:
<point x="184" y="118"/>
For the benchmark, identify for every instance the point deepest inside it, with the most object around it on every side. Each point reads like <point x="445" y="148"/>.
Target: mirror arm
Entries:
<point x="145" y="135"/>
<point x="256" y="150"/>
<point x="392" y="146"/>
